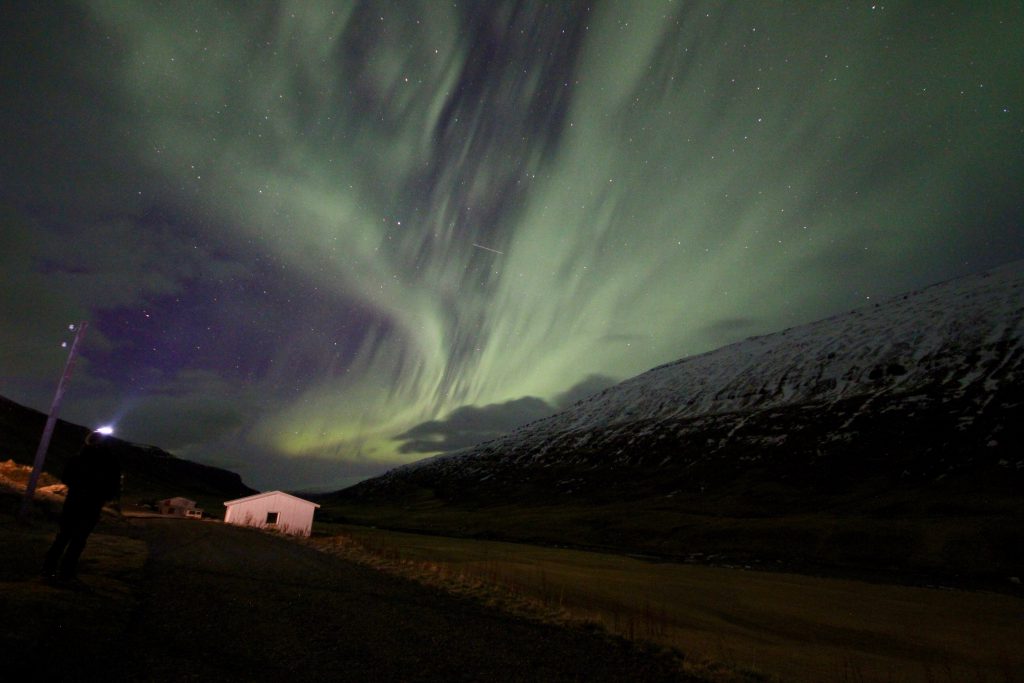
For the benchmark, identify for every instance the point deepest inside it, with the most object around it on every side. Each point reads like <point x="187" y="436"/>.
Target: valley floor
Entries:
<point x="189" y="600"/>
<point x="756" y="623"/>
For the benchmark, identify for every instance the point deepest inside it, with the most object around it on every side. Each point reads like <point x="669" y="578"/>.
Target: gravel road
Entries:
<point x="221" y="603"/>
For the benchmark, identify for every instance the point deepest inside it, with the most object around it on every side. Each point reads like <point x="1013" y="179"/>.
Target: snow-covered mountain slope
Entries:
<point x="958" y="329"/>
<point x="917" y="387"/>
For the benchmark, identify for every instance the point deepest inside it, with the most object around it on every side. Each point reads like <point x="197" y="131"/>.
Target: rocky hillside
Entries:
<point x="904" y="409"/>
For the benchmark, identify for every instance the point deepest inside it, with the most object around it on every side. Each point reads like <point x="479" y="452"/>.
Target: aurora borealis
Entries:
<point x="317" y="239"/>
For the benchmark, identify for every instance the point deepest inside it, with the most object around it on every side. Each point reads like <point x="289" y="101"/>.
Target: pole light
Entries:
<point x="51" y="421"/>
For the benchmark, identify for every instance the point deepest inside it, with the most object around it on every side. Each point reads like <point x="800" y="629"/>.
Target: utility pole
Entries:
<point x="51" y="421"/>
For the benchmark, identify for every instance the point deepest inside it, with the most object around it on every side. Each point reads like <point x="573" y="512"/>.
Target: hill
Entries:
<point x="886" y="439"/>
<point x="149" y="472"/>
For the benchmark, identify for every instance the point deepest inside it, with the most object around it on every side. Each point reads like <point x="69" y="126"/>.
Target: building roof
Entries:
<point x="179" y="500"/>
<point x="269" y="493"/>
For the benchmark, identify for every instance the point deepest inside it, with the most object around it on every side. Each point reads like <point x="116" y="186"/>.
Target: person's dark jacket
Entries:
<point x="93" y="476"/>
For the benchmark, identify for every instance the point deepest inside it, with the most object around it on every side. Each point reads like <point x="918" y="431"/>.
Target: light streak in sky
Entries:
<point x="480" y="246"/>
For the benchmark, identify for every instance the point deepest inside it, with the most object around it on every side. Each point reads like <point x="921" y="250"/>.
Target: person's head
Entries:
<point x="94" y="438"/>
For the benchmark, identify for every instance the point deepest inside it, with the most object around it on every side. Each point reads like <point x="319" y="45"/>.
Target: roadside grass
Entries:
<point x="728" y="624"/>
<point x="40" y="621"/>
<point x="41" y="625"/>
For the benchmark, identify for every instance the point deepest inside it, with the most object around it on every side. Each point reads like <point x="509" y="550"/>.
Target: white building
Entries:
<point x="272" y="510"/>
<point x="179" y="507"/>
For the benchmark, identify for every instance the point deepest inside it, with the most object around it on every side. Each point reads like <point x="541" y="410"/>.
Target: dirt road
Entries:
<point x="228" y="604"/>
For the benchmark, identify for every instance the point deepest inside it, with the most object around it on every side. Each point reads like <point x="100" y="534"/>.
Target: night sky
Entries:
<point x="314" y="240"/>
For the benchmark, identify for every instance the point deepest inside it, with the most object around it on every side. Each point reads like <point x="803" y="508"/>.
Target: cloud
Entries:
<point x="469" y="425"/>
<point x="156" y="256"/>
<point x="191" y="408"/>
<point x="57" y="273"/>
<point x="177" y="423"/>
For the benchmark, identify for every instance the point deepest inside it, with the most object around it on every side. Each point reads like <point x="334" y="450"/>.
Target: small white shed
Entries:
<point x="179" y="507"/>
<point x="272" y="510"/>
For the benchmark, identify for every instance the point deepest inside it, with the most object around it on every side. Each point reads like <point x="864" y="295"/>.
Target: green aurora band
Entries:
<point x="523" y="197"/>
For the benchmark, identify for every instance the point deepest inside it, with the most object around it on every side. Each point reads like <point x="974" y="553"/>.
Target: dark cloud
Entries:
<point x="469" y="425"/>
<point x="177" y="413"/>
<point x="180" y="423"/>
<point x="93" y="265"/>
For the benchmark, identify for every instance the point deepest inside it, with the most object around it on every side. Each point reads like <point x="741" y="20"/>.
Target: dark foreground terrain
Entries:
<point x="213" y="602"/>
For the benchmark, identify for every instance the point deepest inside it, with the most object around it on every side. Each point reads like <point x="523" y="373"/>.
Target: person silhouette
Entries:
<point x="93" y="476"/>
